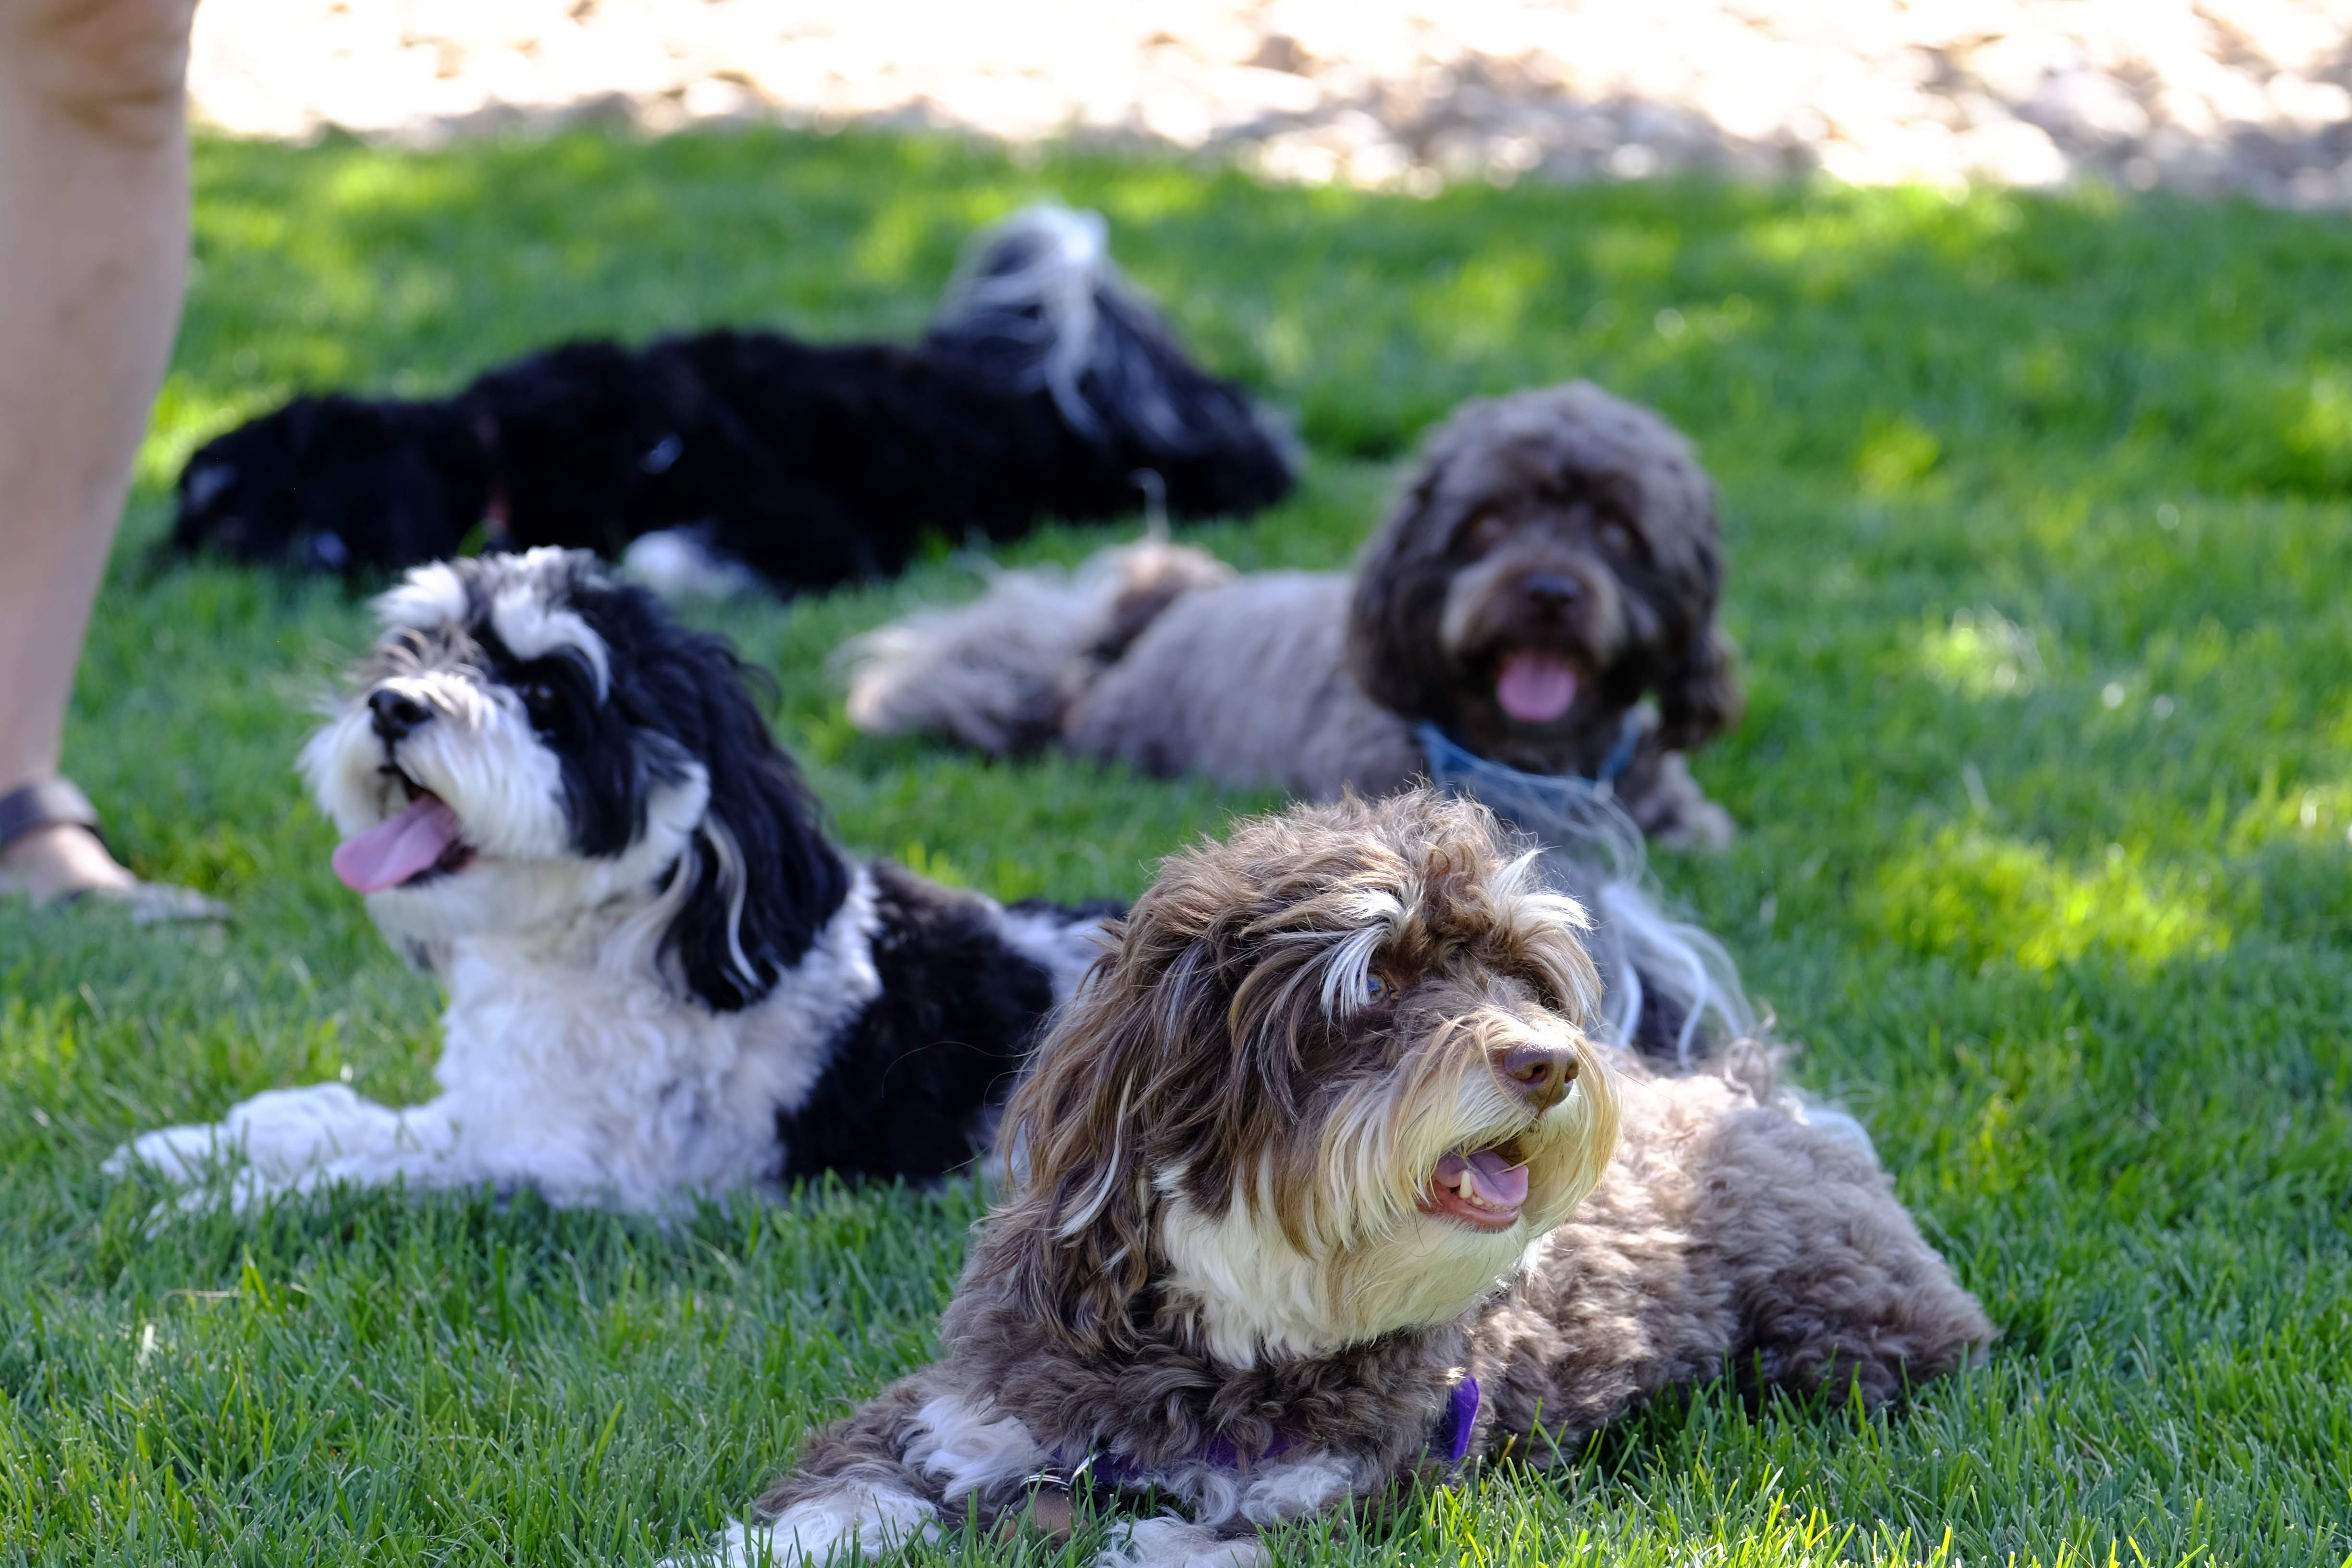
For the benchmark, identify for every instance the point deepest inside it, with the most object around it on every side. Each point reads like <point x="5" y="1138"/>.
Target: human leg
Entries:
<point x="93" y="247"/>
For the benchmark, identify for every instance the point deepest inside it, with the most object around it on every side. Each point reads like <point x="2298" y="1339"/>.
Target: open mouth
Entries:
<point x="1483" y="1188"/>
<point x="1536" y="686"/>
<point x="417" y="845"/>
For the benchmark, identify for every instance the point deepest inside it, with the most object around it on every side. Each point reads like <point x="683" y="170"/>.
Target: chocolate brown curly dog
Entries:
<point x="1320" y="1186"/>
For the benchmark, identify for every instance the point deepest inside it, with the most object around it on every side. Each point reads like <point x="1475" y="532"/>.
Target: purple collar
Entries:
<point x="1450" y="1436"/>
<point x="1453" y="1431"/>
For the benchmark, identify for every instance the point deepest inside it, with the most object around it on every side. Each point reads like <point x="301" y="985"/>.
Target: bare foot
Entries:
<point x="51" y="862"/>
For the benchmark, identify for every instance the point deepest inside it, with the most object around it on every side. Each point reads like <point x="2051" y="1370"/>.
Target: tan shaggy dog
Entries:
<point x="1320" y="1186"/>
<point x="1544" y="593"/>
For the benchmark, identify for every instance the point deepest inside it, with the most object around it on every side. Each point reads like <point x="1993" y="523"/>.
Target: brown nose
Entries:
<point x="1538" y="1074"/>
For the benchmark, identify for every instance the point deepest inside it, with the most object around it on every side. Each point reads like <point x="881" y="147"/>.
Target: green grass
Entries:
<point x="2039" y="536"/>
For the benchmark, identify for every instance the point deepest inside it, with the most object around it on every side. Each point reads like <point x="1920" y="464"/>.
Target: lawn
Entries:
<point x="2038" y="523"/>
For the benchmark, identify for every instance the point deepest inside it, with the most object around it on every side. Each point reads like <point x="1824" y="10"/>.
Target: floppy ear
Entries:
<point x="1079" y="1225"/>
<point x="1169" y="1062"/>
<point x="1399" y="598"/>
<point x="764" y="881"/>
<point x="1699" y="694"/>
<point x="1701" y="697"/>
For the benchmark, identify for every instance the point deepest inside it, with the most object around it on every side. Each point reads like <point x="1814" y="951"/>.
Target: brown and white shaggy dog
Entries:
<point x="1321" y="1187"/>
<point x="1553" y="562"/>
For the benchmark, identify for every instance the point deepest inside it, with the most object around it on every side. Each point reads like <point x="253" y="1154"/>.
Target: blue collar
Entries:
<point x="1450" y="762"/>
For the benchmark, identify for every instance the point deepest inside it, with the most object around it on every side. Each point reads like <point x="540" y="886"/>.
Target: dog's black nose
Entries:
<point x="396" y="715"/>
<point x="1552" y="590"/>
<point x="1538" y="1074"/>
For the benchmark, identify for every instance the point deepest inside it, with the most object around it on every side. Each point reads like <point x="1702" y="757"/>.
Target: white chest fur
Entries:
<point x="572" y="1067"/>
<point x="595" y="1083"/>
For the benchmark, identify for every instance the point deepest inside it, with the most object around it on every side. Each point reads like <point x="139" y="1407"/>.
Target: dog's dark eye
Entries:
<point x="1484" y="532"/>
<point x="1379" y="991"/>
<point x="538" y="700"/>
<point x="1616" y="537"/>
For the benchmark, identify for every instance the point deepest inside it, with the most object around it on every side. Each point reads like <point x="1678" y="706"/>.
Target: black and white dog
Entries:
<point x="664" y="981"/>
<point x="1048" y="387"/>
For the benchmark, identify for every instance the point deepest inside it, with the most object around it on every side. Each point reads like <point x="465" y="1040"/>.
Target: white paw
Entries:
<point x="288" y="1132"/>
<point x="276" y="1139"/>
<point x="736" y="1549"/>
<point x="868" y="1523"/>
<point x="1172" y="1541"/>
<point x="185" y="1154"/>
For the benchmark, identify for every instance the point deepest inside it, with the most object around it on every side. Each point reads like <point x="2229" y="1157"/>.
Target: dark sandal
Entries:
<point x="56" y="803"/>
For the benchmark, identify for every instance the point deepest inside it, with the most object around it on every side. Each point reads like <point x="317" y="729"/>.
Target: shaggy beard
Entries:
<point x="1306" y="1267"/>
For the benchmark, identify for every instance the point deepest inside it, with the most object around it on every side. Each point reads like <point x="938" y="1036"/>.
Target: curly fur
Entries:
<point x="1048" y="387"/>
<point x="1560" y="530"/>
<point x="1223" y="1272"/>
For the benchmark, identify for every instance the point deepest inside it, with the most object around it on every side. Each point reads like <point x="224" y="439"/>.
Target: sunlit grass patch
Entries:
<point x="1894" y="458"/>
<point x="1981" y="653"/>
<point x="1979" y="898"/>
<point x="2318" y="815"/>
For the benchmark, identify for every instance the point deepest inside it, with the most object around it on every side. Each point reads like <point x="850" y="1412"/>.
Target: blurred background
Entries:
<point x="2227" y="95"/>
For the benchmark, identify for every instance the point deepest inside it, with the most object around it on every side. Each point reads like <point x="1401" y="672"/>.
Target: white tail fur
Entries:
<point x="1038" y="302"/>
<point x="1033" y="281"/>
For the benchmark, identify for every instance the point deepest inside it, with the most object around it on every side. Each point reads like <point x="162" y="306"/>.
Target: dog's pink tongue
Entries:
<point x="1499" y="1182"/>
<point x="1535" y="688"/>
<point x="392" y="852"/>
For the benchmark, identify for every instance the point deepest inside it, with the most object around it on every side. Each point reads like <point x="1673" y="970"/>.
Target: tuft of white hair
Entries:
<point x="1039" y="303"/>
<point x="1033" y="281"/>
<point x="679" y="563"/>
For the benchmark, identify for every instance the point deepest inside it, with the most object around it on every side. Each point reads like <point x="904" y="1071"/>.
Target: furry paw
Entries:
<point x="283" y="1135"/>
<point x="1171" y="1542"/>
<point x="864" y="1523"/>
<point x="1699" y="824"/>
<point x="184" y="1155"/>
<point x="1672" y="810"/>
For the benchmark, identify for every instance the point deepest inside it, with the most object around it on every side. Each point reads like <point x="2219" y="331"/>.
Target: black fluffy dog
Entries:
<point x="1047" y="389"/>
